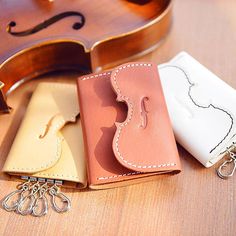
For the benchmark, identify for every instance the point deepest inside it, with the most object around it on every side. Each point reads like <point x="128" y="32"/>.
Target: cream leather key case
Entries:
<point x="49" y="143"/>
<point x="202" y="108"/>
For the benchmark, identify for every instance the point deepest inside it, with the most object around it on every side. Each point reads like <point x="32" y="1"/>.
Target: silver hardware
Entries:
<point x="55" y="193"/>
<point x="50" y="181"/>
<point x="33" y="179"/>
<point x="58" y="182"/>
<point x="43" y="200"/>
<point x="22" y="189"/>
<point x="31" y="197"/>
<point x="228" y="167"/>
<point x="24" y="177"/>
<point x="41" y="180"/>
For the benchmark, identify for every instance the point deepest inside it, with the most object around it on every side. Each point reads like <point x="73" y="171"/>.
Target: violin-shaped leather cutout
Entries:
<point x="140" y="142"/>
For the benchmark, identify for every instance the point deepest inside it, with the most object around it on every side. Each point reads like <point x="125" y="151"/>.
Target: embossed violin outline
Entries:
<point x="210" y="105"/>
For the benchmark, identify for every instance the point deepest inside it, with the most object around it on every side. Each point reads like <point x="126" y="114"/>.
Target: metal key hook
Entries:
<point x="54" y="192"/>
<point x="44" y="203"/>
<point x="22" y="189"/>
<point x="20" y="208"/>
<point x="223" y="171"/>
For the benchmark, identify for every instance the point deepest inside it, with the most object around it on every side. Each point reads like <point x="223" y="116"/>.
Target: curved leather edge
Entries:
<point x="143" y="166"/>
<point x="13" y="166"/>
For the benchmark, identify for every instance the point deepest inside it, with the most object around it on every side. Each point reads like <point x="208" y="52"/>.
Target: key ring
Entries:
<point x="36" y="211"/>
<point x="55" y="193"/>
<point x="22" y="188"/>
<point x="227" y="168"/>
<point x="31" y="197"/>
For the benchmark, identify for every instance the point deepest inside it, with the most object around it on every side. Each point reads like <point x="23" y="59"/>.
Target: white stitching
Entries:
<point x="117" y="176"/>
<point x="130" y="173"/>
<point x="59" y="139"/>
<point x="58" y="150"/>
<point x="130" y="105"/>
<point x="113" y="176"/>
<point x="95" y="76"/>
<point x="59" y="175"/>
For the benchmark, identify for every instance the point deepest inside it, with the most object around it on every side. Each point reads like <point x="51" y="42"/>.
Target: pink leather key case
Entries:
<point x="126" y="126"/>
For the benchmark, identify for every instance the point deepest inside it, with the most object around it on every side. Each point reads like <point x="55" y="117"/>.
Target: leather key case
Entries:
<point x="126" y="128"/>
<point x="202" y="108"/>
<point x="122" y="124"/>
<point x="49" y="142"/>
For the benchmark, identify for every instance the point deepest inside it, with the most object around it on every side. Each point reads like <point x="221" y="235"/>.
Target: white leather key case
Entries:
<point x="202" y="108"/>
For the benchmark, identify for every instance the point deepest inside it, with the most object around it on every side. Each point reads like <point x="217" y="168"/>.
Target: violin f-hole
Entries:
<point x="45" y="24"/>
<point x="143" y="112"/>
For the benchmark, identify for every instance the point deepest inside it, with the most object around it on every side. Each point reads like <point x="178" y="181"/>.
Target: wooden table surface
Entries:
<point x="195" y="202"/>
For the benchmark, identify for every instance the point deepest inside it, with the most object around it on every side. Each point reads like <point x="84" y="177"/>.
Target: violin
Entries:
<point x="39" y="36"/>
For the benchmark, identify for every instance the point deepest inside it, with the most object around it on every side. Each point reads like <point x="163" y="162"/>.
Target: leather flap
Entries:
<point x="202" y="108"/>
<point x="141" y="142"/>
<point x="48" y="111"/>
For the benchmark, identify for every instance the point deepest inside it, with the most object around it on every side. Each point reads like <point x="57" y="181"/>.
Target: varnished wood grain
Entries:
<point x="107" y="27"/>
<point x="195" y="202"/>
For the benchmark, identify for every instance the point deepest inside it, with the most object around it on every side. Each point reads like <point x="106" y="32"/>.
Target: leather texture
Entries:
<point x="126" y="128"/>
<point x="49" y="142"/>
<point x="202" y="108"/>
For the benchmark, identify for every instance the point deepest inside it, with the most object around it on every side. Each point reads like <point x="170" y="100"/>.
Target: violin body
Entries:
<point x="42" y="36"/>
